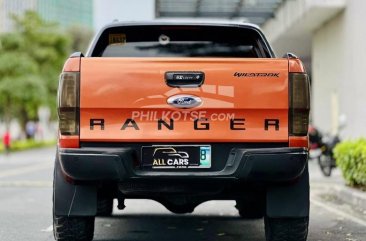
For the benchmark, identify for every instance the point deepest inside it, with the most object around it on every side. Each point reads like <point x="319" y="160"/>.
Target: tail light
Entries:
<point x="68" y="103"/>
<point x="299" y="105"/>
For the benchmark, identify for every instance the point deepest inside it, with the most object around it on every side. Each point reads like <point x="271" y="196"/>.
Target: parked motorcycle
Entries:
<point x="326" y="160"/>
<point x="326" y="145"/>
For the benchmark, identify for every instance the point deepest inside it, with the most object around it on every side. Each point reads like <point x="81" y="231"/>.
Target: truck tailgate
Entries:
<point x="243" y="100"/>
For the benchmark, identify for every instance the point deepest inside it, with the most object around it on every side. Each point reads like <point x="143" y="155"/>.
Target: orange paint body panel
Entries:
<point x="72" y="65"/>
<point x="116" y="89"/>
<point x="296" y="66"/>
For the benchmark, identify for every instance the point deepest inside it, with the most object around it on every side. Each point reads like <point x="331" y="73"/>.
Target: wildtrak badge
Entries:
<point x="243" y="74"/>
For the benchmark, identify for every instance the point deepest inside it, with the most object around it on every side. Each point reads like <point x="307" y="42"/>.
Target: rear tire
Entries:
<point x="325" y="164"/>
<point x="286" y="229"/>
<point x="73" y="228"/>
<point x="70" y="228"/>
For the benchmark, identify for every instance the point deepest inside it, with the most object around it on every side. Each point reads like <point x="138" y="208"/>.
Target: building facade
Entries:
<point x="64" y="12"/>
<point x="330" y="36"/>
<point x="339" y="83"/>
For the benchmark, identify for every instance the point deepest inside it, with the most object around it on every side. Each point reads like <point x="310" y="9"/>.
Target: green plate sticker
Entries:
<point x="205" y="156"/>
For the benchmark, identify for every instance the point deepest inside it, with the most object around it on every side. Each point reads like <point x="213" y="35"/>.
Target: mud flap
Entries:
<point x="289" y="200"/>
<point x="72" y="200"/>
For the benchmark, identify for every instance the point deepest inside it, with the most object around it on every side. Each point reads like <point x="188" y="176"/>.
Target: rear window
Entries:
<point x="180" y="41"/>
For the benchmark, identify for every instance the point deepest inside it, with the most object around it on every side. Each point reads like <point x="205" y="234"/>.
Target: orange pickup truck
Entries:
<point x="182" y="113"/>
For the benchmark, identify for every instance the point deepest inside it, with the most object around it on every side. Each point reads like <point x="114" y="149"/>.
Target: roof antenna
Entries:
<point x="115" y="20"/>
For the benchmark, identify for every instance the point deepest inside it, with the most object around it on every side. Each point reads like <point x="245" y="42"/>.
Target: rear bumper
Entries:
<point x="119" y="164"/>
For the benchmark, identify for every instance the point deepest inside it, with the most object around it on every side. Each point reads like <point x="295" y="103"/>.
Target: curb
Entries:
<point x="350" y="195"/>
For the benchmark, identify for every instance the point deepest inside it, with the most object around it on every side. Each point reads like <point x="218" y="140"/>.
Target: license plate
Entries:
<point x="176" y="156"/>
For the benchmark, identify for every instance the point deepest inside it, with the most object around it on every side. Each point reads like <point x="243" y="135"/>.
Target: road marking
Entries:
<point x="26" y="169"/>
<point x="338" y="212"/>
<point x="49" y="229"/>
<point x="25" y="183"/>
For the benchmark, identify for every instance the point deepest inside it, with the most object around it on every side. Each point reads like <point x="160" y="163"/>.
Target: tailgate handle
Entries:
<point x="186" y="79"/>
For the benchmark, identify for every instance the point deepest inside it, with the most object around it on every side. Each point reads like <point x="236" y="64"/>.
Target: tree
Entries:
<point x="31" y="59"/>
<point x="80" y="37"/>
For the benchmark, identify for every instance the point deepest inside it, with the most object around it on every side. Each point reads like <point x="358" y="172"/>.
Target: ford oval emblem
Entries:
<point x="184" y="101"/>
